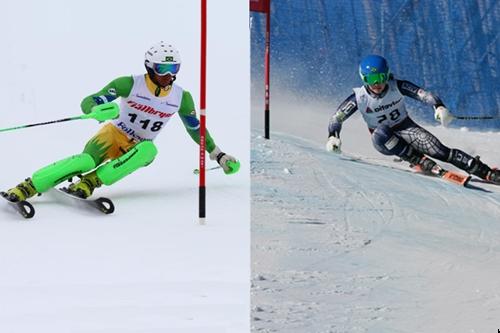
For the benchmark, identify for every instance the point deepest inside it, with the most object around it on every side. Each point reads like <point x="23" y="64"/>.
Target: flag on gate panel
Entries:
<point x="260" y="5"/>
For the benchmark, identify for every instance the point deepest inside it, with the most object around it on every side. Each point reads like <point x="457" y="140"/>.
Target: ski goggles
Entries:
<point x="375" y="78"/>
<point x="164" y="69"/>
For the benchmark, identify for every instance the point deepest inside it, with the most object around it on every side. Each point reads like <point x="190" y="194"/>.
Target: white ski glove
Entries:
<point x="228" y="163"/>
<point x="333" y="144"/>
<point x="443" y="115"/>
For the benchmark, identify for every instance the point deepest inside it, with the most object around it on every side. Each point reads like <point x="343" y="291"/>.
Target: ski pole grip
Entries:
<point x="233" y="167"/>
<point x="103" y="112"/>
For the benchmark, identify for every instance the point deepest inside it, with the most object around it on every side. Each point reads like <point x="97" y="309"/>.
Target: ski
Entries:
<point x="484" y="181"/>
<point x="487" y="181"/>
<point x="102" y="204"/>
<point x="24" y="208"/>
<point x="438" y="171"/>
<point x="448" y="175"/>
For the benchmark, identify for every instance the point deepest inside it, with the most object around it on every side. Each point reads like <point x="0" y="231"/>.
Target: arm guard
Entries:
<point x="344" y="111"/>
<point x="119" y="87"/>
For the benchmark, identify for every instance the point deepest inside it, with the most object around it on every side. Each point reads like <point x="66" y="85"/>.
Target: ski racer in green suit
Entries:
<point x="125" y="144"/>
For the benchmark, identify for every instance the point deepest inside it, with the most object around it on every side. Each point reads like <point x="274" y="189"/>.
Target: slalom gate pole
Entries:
<point x="203" y="77"/>
<point x="267" y="65"/>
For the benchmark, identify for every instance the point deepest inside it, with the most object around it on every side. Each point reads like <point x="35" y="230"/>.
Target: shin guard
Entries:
<point x="138" y="156"/>
<point x="51" y="175"/>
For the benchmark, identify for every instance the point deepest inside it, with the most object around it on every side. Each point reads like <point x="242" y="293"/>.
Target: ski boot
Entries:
<point x="419" y="161"/>
<point x="22" y="191"/>
<point x="425" y="165"/>
<point x="86" y="186"/>
<point x="481" y="170"/>
<point x="494" y="176"/>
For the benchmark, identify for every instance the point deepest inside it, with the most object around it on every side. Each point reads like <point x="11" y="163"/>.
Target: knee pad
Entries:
<point x="141" y="155"/>
<point x="387" y="142"/>
<point x="54" y="174"/>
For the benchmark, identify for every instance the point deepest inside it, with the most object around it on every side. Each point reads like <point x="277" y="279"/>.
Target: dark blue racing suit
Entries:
<point x="394" y="132"/>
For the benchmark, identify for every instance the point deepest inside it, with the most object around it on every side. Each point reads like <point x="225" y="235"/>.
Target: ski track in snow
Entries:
<point x="339" y="246"/>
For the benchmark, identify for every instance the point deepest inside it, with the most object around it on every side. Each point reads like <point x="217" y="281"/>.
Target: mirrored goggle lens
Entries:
<point x="375" y="78"/>
<point x="164" y="69"/>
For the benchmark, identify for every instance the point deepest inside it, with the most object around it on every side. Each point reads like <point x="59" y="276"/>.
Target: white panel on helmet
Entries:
<point x="162" y="53"/>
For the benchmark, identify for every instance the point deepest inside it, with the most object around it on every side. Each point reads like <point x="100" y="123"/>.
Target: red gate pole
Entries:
<point x="203" y="77"/>
<point x="267" y="64"/>
<point x="264" y="6"/>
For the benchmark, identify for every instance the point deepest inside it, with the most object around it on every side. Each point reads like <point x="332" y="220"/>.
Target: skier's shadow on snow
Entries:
<point x="159" y="193"/>
<point x="148" y="194"/>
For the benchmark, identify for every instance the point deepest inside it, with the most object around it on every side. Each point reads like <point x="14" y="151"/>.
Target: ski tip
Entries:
<point x="202" y="221"/>
<point x="105" y="205"/>
<point x="26" y="209"/>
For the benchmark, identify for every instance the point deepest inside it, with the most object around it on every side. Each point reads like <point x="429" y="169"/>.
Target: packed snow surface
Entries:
<point x="341" y="246"/>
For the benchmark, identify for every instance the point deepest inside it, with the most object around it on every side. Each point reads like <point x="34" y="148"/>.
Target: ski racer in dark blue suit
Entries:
<point x="381" y="103"/>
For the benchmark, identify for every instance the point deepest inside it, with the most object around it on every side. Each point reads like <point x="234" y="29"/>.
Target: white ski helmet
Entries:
<point x="162" y="58"/>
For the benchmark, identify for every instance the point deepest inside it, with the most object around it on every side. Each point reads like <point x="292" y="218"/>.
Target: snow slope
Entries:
<point x="341" y="247"/>
<point x="149" y="267"/>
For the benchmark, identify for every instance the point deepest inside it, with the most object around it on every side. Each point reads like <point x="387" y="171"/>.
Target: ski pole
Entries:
<point x="39" y="124"/>
<point x="233" y="168"/>
<point x="101" y="112"/>
<point x="197" y="171"/>
<point x="475" y="117"/>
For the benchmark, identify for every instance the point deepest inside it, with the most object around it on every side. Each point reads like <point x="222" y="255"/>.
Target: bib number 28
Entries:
<point x="155" y="127"/>
<point x="393" y="115"/>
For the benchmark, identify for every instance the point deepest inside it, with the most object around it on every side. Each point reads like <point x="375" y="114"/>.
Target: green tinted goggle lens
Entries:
<point x="164" y="69"/>
<point x="375" y="78"/>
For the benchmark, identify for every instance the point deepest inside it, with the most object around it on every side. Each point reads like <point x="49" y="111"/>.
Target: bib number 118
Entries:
<point x="155" y="127"/>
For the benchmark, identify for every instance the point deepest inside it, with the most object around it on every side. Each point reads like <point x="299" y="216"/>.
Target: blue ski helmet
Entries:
<point x="374" y="69"/>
